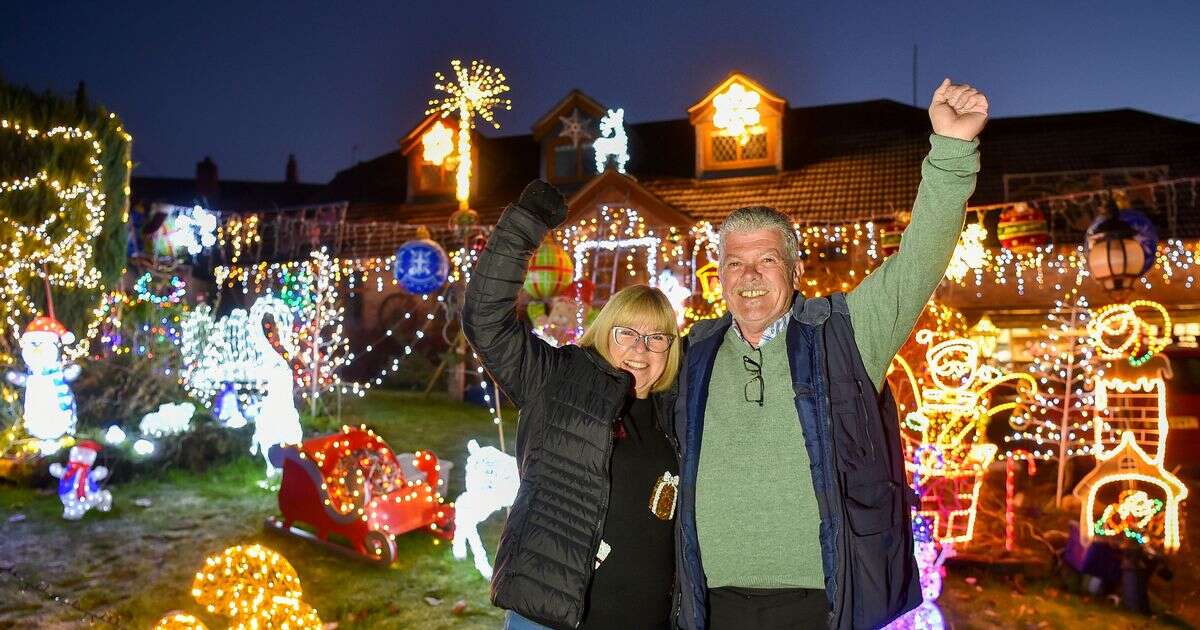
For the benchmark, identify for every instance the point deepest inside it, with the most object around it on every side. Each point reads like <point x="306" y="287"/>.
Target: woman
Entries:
<point x="589" y="542"/>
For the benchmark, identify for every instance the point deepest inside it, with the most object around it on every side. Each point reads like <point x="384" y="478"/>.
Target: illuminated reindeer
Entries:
<point x="492" y="482"/>
<point x="616" y="144"/>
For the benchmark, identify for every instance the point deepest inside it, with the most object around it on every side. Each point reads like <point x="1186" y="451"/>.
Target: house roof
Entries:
<point x="842" y="163"/>
<point x="855" y="185"/>
<point x="574" y="99"/>
<point x="622" y="190"/>
<point x="234" y="195"/>
<point x="773" y="100"/>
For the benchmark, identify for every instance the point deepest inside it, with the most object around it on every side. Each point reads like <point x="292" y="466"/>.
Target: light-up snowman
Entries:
<point x="79" y="482"/>
<point x="49" y="410"/>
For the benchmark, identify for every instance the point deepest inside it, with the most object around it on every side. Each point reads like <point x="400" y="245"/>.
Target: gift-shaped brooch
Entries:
<point x="662" y="500"/>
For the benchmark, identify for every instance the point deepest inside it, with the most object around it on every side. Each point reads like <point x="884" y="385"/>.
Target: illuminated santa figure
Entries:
<point x="78" y="483"/>
<point x="49" y="404"/>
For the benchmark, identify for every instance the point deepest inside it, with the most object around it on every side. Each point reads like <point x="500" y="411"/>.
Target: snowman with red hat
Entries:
<point x="79" y="482"/>
<point x="49" y="403"/>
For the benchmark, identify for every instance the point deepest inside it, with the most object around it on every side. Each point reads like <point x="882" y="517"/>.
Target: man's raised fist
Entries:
<point x="958" y="111"/>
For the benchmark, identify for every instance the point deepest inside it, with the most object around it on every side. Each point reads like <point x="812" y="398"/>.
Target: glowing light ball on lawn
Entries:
<point x="422" y="266"/>
<point x="492" y="482"/>
<point x="176" y="620"/>
<point x="168" y="419"/>
<point x="79" y="482"/>
<point x="254" y="587"/>
<point x="143" y="447"/>
<point x="49" y="410"/>
<point x="1022" y="229"/>
<point x="550" y="271"/>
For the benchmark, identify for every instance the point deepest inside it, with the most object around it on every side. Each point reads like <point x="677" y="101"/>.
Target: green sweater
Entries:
<point x="756" y="510"/>
<point x="886" y="304"/>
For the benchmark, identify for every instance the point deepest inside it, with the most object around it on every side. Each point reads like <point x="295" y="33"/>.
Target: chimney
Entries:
<point x="291" y="175"/>
<point x="207" y="185"/>
<point x="81" y="99"/>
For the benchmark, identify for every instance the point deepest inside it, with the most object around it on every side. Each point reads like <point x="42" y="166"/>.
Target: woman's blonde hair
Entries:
<point x="630" y="306"/>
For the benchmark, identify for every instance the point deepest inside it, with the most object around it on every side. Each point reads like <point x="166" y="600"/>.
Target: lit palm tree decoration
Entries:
<point x="476" y="91"/>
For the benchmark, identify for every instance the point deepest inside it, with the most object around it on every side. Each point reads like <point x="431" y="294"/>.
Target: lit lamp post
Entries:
<point x="1116" y="258"/>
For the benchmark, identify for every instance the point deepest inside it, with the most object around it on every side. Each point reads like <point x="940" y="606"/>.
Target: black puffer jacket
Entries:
<point x="569" y="398"/>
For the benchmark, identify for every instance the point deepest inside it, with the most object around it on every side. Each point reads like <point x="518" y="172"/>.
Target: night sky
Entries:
<point x="248" y="83"/>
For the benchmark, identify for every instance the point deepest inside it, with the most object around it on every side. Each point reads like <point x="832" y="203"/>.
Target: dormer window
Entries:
<point x="738" y="129"/>
<point x="572" y="155"/>
<point x="432" y="156"/>
<point x="566" y="134"/>
<point x="438" y="159"/>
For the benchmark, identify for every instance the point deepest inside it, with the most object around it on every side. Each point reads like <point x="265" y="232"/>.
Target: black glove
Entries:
<point x="544" y="201"/>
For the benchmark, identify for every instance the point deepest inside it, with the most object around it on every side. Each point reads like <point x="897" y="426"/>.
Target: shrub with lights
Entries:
<point x="64" y="176"/>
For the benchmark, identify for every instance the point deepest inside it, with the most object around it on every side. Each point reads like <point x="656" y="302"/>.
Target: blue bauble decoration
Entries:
<point x="422" y="266"/>
<point x="1144" y="232"/>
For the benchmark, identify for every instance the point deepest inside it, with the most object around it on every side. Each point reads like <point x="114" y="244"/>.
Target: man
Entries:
<point x="794" y="510"/>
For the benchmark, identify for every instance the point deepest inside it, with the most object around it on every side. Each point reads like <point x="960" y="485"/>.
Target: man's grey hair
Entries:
<point x="753" y="218"/>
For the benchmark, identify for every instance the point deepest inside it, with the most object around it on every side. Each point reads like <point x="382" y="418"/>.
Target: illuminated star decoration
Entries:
<point x="737" y="112"/>
<point x="476" y="91"/>
<point x="437" y="144"/>
<point x="575" y="127"/>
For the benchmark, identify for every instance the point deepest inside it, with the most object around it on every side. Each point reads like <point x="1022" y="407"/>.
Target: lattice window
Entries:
<point x="724" y="149"/>
<point x="756" y="148"/>
<point x="727" y="148"/>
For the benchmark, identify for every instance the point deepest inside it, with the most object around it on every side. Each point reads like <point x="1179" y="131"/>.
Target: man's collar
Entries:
<point x="769" y="333"/>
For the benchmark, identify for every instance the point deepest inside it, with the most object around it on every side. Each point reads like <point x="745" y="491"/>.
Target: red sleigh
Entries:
<point x="351" y="484"/>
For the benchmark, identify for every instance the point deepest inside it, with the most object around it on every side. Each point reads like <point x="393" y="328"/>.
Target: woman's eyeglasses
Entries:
<point x="657" y="343"/>
<point x="755" y="384"/>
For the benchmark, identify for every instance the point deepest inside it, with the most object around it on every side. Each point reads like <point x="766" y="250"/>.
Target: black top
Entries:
<point x="632" y="586"/>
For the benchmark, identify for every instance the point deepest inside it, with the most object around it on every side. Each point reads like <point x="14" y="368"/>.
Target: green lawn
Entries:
<point x="129" y="566"/>
<point x="126" y="568"/>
